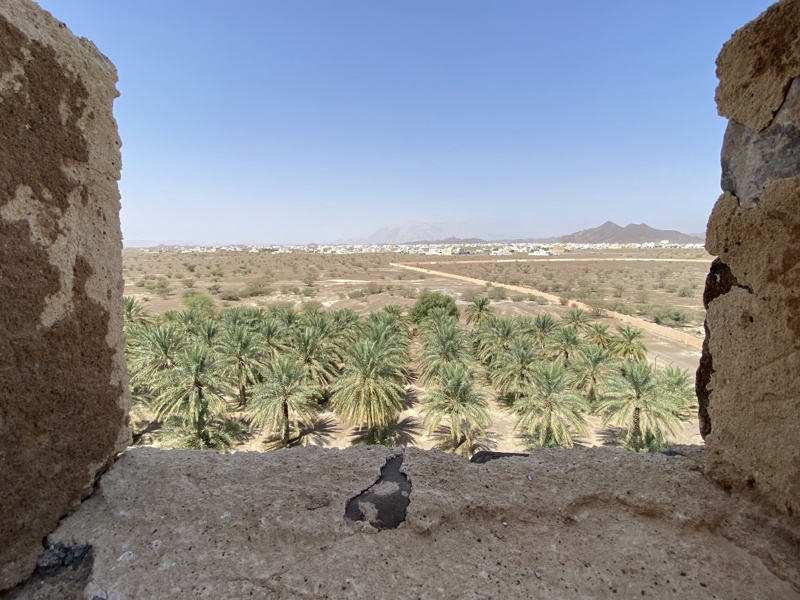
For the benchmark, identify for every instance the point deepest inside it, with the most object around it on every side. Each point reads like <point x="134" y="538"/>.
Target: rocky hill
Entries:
<point x="611" y="233"/>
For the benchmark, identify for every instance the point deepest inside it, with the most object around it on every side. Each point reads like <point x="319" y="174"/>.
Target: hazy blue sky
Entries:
<point x="302" y="120"/>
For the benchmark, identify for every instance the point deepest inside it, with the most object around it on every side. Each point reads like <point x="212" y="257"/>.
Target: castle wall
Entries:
<point x="749" y="377"/>
<point x="63" y="388"/>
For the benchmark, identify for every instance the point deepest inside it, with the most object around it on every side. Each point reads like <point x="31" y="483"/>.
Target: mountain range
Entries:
<point x="607" y="233"/>
<point x="441" y="233"/>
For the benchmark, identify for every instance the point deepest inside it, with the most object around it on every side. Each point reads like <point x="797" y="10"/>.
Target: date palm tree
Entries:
<point x="593" y="366"/>
<point x="577" y="319"/>
<point x="543" y="327"/>
<point x="134" y="311"/>
<point x="239" y="357"/>
<point x="549" y="406"/>
<point x="679" y="385"/>
<point x="443" y="342"/>
<point x="233" y="316"/>
<point x="153" y="350"/>
<point x="637" y="401"/>
<point x="207" y="333"/>
<point x="479" y="310"/>
<point x="597" y="335"/>
<point x="193" y="393"/>
<point x="271" y="337"/>
<point x="393" y="309"/>
<point x="370" y="389"/>
<point x="283" y="395"/>
<point x="456" y="399"/>
<point x="514" y="368"/>
<point x="346" y="327"/>
<point x="317" y="319"/>
<point x="389" y="332"/>
<point x="316" y="354"/>
<point x="629" y="346"/>
<point x="565" y="341"/>
<point x="287" y="316"/>
<point x="493" y="338"/>
<point x="188" y="321"/>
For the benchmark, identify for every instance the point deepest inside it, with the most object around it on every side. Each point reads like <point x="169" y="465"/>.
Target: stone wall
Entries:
<point x="749" y="378"/>
<point x="63" y="389"/>
<point x="580" y="523"/>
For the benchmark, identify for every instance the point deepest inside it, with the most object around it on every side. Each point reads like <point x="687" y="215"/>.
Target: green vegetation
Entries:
<point x="456" y="399"/>
<point x="478" y="310"/>
<point x="194" y="300"/>
<point x="429" y="301"/>
<point x="281" y="396"/>
<point x="549" y="404"/>
<point x="209" y="374"/>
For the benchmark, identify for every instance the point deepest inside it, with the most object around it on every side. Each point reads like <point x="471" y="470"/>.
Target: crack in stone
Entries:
<point x="383" y="504"/>
<point x="485" y="456"/>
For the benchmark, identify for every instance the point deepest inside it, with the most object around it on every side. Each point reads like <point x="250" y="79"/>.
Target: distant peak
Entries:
<point x="611" y="233"/>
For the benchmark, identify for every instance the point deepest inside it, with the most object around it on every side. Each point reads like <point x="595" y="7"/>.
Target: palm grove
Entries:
<point x="210" y="377"/>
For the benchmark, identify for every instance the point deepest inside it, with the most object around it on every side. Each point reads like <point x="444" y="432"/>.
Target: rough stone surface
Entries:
<point x="63" y="392"/>
<point x="754" y="338"/>
<point x="756" y="66"/>
<point x="748" y="382"/>
<point x="751" y="160"/>
<point x="594" y="523"/>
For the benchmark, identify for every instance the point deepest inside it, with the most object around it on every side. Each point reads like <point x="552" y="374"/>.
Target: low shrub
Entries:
<point x="373" y="288"/>
<point x="197" y="301"/>
<point x="670" y="317"/>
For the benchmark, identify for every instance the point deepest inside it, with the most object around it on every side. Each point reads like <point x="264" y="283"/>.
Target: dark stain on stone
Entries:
<point x="670" y="453"/>
<point x="317" y="500"/>
<point x="55" y="385"/>
<point x="719" y="281"/>
<point x="35" y="140"/>
<point x="383" y="505"/>
<point x="485" y="456"/>
<point x="56" y="557"/>
<point x="61" y="572"/>
<point x="701" y="381"/>
<point x="751" y="161"/>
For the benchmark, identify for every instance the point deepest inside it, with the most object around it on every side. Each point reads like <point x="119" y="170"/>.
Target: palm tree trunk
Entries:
<point x="636" y="436"/>
<point x="456" y="439"/>
<point x="200" y="426"/>
<point x="242" y="387"/>
<point x="285" y="436"/>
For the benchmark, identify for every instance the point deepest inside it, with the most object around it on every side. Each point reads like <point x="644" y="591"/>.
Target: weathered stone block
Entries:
<point x="63" y="392"/>
<point x="749" y="378"/>
<point x="757" y="65"/>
